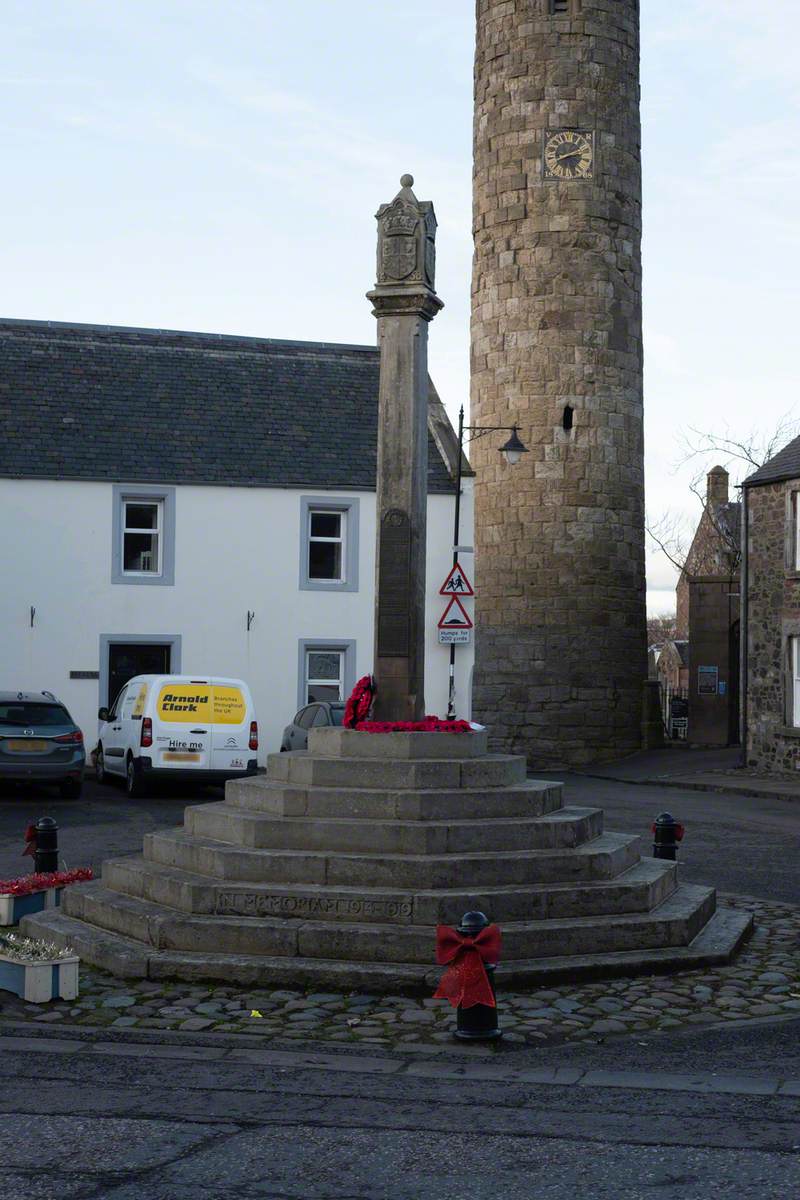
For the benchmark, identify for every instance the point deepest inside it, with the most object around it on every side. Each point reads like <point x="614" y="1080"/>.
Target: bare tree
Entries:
<point x="741" y="454"/>
<point x="662" y="628"/>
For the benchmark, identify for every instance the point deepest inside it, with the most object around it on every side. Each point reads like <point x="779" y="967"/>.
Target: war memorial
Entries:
<point x="335" y="868"/>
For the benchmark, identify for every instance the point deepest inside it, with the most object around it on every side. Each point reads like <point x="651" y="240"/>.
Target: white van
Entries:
<point x="178" y="727"/>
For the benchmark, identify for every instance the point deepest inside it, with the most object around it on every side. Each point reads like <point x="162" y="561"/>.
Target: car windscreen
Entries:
<point x="337" y="714"/>
<point x="24" y="713"/>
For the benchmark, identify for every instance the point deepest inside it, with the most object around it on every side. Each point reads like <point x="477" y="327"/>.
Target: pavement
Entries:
<point x="682" y="766"/>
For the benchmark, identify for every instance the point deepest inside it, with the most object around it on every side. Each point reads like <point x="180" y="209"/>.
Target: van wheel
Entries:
<point x="134" y="784"/>
<point x="99" y="766"/>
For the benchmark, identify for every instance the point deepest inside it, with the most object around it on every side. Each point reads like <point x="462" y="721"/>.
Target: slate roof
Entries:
<point x="151" y="405"/>
<point x="785" y="465"/>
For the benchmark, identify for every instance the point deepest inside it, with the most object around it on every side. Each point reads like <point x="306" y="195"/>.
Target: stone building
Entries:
<point x="707" y="605"/>
<point x="771" y="613"/>
<point x="557" y="351"/>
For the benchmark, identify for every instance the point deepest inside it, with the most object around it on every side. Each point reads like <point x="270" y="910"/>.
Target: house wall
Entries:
<point x="713" y="610"/>
<point x="236" y="549"/>
<point x="773" y="616"/>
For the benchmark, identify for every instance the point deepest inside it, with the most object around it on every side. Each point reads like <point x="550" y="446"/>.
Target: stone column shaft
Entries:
<point x="404" y="302"/>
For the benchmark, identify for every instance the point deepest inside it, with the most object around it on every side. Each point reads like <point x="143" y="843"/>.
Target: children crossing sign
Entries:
<point x="455" y="624"/>
<point x="456" y="583"/>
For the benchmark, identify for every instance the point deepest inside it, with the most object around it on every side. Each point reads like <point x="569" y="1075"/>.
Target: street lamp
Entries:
<point x="512" y="451"/>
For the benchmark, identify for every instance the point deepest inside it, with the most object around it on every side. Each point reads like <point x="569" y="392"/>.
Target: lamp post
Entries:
<point x="512" y="451"/>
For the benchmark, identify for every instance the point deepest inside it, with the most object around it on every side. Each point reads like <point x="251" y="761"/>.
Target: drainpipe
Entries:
<point x="743" y="616"/>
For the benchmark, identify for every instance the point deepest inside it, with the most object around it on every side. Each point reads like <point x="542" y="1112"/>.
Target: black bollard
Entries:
<point x="479" y="1021"/>
<point x="667" y="832"/>
<point x="46" y="857"/>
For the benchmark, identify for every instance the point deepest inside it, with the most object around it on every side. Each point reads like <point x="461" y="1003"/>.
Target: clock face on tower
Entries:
<point x="568" y="154"/>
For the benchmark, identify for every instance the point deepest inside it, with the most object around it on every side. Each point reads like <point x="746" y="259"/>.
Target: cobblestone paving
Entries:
<point x="764" y="982"/>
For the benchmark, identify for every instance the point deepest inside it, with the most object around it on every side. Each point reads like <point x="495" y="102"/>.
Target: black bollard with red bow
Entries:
<point x="470" y="953"/>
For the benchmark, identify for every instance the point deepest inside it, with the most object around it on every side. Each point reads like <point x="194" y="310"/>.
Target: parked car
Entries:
<point x="313" y="716"/>
<point x="40" y="742"/>
<point x="178" y="727"/>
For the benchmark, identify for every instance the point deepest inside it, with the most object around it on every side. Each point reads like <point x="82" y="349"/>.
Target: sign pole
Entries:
<point x="451" y="694"/>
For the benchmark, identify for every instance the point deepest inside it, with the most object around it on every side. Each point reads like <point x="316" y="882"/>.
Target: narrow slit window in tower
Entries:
<point x="566" y="420"/>
<point x="559" y="6"/>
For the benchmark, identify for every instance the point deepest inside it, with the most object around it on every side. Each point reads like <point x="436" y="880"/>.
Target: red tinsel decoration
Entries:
<point x="26" y="884"/>
<point x="359" y="702"/>
<point x="429" y="725"/>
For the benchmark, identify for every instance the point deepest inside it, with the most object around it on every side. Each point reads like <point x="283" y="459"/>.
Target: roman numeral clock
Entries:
<point x="568" y="154"/>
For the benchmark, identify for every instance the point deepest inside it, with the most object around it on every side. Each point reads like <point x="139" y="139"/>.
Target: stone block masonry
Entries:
<point x="773" y="619"/>
<point x="557" y="350"/>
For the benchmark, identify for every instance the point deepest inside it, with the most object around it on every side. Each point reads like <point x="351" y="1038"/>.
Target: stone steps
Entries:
<point x="605" y="857"/>
<point x="640" y="889"/>
<point x="306" y="770"/>
<point x="676" y="922"/>
<point x="530" y="798"/>
<point x="334" y="870"/>
<point x="714" y="946"/>
<point x="254" y="830"/>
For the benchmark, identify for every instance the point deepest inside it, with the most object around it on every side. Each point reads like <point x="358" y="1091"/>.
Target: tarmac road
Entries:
<point x="155" y="1122"/>
<point x="736" y="843"/>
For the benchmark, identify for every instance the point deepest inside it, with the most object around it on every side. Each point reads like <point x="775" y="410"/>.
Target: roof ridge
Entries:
<point x="86" y="328"/>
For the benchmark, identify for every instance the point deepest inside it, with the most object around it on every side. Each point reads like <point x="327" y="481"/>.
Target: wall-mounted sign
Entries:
<point x="707" y="681"/>
<point x="84" y="674"/>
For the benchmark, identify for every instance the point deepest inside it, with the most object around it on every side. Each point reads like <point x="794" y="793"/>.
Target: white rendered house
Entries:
<point x="195" y="503"/>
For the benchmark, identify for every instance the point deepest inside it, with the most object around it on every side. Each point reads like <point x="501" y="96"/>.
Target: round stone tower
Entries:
<point x="557" y="351"/>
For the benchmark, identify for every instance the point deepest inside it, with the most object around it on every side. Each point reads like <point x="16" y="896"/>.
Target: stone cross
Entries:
<point x="404" y="301"/>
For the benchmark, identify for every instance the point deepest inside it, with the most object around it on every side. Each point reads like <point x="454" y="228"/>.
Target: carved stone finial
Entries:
<point x="406" y="240"/>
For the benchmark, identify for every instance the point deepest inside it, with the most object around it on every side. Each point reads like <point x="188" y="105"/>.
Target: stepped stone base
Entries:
<point x="335" y="868"/>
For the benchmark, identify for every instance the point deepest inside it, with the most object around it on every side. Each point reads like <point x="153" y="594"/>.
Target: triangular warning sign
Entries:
<point x="455" y="616"/>
<point x="456" y="583"/>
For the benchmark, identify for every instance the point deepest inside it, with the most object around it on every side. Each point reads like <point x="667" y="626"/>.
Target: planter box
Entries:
<point x="13" y="908"/>
<point x="42" y="981"/>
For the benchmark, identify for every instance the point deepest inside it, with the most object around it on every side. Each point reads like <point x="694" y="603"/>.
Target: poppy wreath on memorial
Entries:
<point x="429" y="725"/>
<point x="359" y="702"/>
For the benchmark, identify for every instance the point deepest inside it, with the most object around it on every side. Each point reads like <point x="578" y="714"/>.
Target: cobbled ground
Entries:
<point x="763" y="982"/>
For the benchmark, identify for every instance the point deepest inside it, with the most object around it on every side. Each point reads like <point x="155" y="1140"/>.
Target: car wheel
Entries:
<point x="71" y="789"/>
<point x="100" y="766"/>
<point x="134" y="784"/>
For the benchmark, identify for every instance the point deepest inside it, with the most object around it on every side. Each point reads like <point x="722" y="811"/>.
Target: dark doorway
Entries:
<point x="733" y="687"/>
<point x="126" y="659"/>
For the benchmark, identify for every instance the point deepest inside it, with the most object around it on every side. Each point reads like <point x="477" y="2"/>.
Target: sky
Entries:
<point x="217" y="164"/>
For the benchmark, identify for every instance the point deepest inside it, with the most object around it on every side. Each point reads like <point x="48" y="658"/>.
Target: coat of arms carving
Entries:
<point x="399" y="241"/>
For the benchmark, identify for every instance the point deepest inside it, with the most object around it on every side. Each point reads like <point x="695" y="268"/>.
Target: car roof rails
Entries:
<point x="49" y="695"/>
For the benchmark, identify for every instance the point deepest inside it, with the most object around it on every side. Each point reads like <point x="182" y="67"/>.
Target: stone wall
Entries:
<point x="773" y="616"/>
<point x="556" y="326"/>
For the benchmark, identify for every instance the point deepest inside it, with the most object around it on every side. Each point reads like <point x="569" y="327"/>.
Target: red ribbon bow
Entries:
<point x="466" y="982"/>
<point x="30" y="841"/>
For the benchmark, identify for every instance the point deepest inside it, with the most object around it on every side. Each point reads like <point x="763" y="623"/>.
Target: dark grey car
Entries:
<point x="313" y="716"/>
<point x="40" y="742"/>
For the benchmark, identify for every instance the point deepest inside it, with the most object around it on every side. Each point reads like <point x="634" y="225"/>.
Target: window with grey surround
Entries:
<point x="324" y="675"/>
<point x="794" y="682"/>
<point x="328" y="544"/>
<point x="142" y="522"/>
<point x="143" y="533"/>
<point x="326" y="670"/>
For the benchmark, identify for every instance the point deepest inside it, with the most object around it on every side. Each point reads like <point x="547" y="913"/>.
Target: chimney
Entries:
<point x="717" y="488"/>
